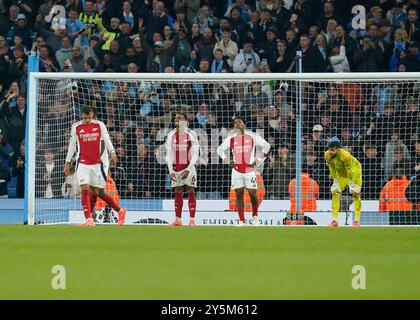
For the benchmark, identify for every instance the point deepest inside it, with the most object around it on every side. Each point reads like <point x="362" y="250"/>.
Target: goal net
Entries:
<point x="375" y="116"/>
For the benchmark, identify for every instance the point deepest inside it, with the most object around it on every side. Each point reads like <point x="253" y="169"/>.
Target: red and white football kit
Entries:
<point x="243" y="148"/>
<point x="182" y="151"/>
<point x="86" y="140"/>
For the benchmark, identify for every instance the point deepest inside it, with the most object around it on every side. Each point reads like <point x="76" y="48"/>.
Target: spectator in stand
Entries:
<point x="184" y="49"/>
<point x="52" y="36"/>
<point x="12" y="18"/>
<point x="23" y="30"/>
<point x="49" y="177"/>
<point x="396" y="154"/>
<point x="6" y="151"/>
<point x="191" y="64"/>
<point x="416" y="157"/>
<point x="89" y="65"/>
<point x="398" y="16"/>
<point x="75" y="27"/>
<point x="4" y="178"/>
<point x="228" y="47"/>
<point x="280" y="59"/>
<point x="269" y="45"/>
<point x="206" y="45"/>
<point x="412" y="192"/>
<point x="181" y="21"/>
<point x="318" y="140"/>
<point x="368" y="58"/>
<point x="341" y="38"/>
<point x="205" y="18"/>
<point x="312" y="60"/>
<point x="190" y="6"/>
<point x="408" y="121"/>
<point x="280" y="102"/>
<point x="327" y="14"/>
<point x="242" y="6"/>
<point x="195" y="35"/>
<point x="395" y="51"/>
<point x="91" y="20"/>
<point x="158" y="57"/>
<point x="77" y="60"/>
<point x="218" y="63"/>
<point x="338" y="59"/>
<point x="256" y="99"/>
<point x="16" y="118"/>
<point x="412" y="60"/>
<point x="322" y="45"/>
<point x="281" y="169"/>
<point x="126" y="14"/>
<point x="141" y="55"/>
<point x="412" y="25"/>
<point x="64" y="53"/>
<point x="375" y="14"/>
<point x="19" y="170"/>
<point x="372" y="176"/>
<point x="330" y="31"/>
<point x="247" y="59"/>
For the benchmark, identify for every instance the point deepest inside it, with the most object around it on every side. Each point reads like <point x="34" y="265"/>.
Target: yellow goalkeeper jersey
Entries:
<point x="343" y="165"/>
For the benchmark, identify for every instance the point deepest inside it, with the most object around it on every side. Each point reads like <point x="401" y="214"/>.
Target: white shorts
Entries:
<point x="190" y="181"/>
<point x="104" y="174"/>
<point x="92" y="175"/>
<point x="244" y="180"/>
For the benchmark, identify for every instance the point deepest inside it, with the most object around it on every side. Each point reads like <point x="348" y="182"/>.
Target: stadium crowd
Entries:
<point x="378" y="122"/>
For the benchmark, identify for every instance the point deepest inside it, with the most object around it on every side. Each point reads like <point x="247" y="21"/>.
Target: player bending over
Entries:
<point x="85" y="138"/>
<point x="243" y="146"/>
<point x="346" y="170"/>
<point x="182" y="150"/>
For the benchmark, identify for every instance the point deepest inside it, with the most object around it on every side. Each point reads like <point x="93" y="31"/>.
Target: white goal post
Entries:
<point x="356" y="107"/>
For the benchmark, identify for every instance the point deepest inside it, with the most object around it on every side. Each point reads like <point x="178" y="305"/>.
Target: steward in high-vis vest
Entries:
<point x="247" y="199"/>
<point x="110" y="190"/>
<point x="392" y="196"/>
<point x="309" y="193"/>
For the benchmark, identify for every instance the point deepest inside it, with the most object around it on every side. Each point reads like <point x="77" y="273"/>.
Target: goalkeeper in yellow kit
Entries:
<point x="346" y="170"/>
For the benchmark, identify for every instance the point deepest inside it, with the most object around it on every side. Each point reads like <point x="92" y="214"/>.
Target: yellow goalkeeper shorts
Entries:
<point x="341" y="183"/>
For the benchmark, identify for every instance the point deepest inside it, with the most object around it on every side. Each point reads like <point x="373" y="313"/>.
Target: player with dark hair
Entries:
<point x="346" y="170"/>
<point x="182" y="151"/>
<point x="85" y="139"/>
<point x="243" y="146"/>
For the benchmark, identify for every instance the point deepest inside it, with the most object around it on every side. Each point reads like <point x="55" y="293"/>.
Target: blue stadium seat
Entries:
<point x="11" y="192"/>
<point x="12" y="183"/>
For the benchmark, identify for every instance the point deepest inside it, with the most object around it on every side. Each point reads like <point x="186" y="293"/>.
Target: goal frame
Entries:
<point x="32" y="105"/>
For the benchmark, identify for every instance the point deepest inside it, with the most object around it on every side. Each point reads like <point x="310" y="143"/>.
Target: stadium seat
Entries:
<point x="11" y="192"/>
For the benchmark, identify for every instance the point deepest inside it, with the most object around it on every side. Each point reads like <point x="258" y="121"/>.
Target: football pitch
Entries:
<point x="148" y="262"/>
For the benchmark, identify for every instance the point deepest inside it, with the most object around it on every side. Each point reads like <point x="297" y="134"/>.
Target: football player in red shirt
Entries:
<point x="182" y="151"/>
<point x="85" y="139"/>
<point x="243" y="146"/>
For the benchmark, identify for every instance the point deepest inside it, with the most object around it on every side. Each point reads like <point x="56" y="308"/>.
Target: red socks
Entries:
<point x="179" y="201"/>
<point x="192" y="202"/>
<point x="93" y="199"/>
<point x="86" y="204"/>
<point x="254" y="211"/>
<point x="109" y="201"/>
<point x="241" y="214"/>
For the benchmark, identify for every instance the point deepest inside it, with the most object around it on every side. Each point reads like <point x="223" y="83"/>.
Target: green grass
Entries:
<point x="209" y="262"/>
